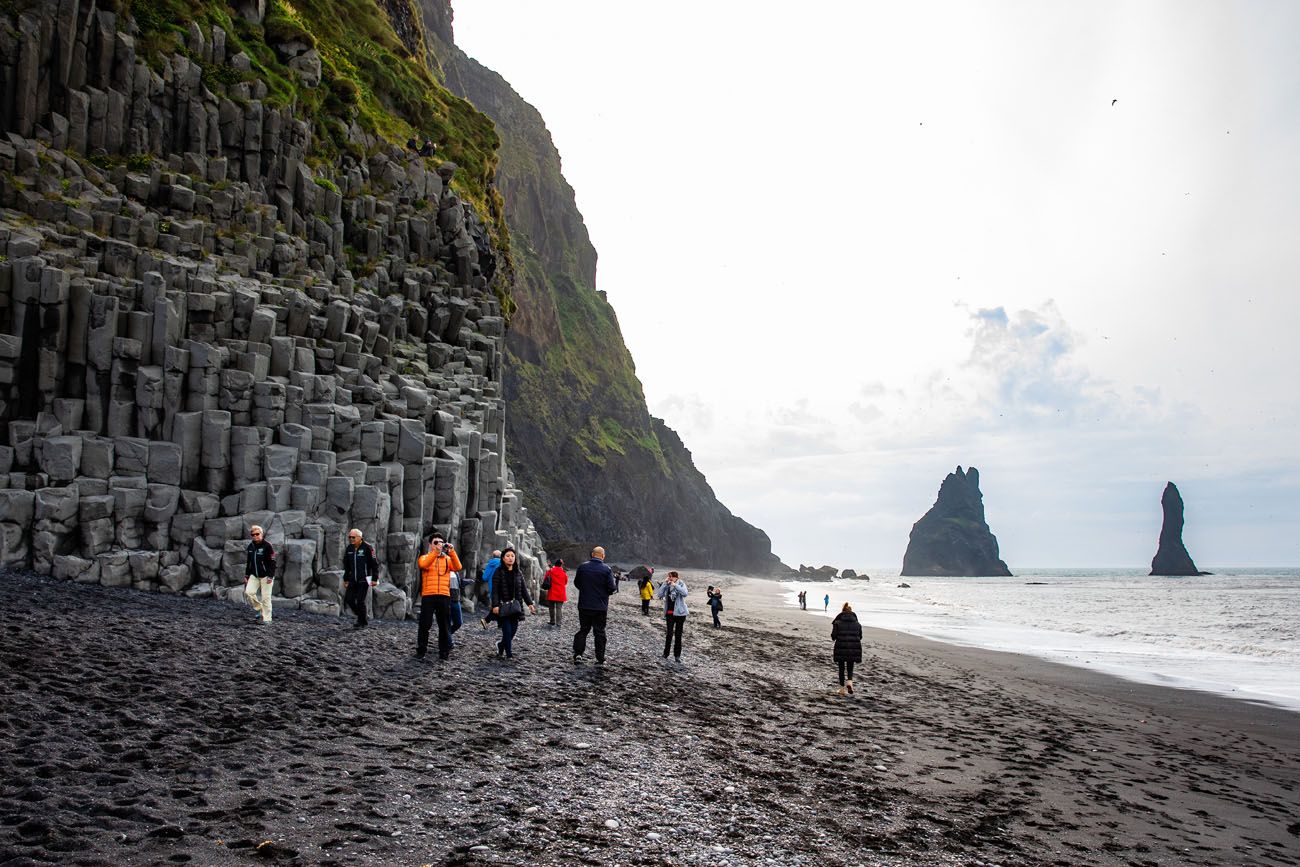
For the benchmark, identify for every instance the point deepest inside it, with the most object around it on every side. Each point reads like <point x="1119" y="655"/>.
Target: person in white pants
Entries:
<point x="259" y="570"/>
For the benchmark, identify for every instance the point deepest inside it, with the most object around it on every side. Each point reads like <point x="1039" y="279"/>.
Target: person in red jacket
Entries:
<point x="555" y="586"/>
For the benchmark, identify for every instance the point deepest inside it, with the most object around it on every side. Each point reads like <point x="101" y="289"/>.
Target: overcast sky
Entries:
<point x="853" y="245"/>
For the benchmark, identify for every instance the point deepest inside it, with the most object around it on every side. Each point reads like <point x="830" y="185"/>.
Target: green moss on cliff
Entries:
<point x="368" y="76"/>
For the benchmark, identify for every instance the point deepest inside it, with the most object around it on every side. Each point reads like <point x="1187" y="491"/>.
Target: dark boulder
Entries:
<point x="1171" y="556"/>
<point x="953" y="537"/>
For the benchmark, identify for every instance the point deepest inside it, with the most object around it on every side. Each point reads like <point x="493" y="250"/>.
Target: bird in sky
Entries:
<point x="1113" y="101"/>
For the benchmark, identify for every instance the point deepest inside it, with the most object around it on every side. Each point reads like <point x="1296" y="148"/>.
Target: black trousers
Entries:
<point x="673" y="635"/>
<point x="590" y="621"/>
<point x="645" y="607"/>
<point x="432" y="607"/>
<point x="354" y="599"/>
<point x="716" y="621"/>
<point x="846" y="670"/>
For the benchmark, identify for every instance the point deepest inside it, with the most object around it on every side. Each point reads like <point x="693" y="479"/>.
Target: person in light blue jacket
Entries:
<point x="673" y="592"/>
<point x="485" y="580"/>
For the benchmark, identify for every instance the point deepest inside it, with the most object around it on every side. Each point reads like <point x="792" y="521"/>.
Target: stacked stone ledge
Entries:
<point x="186" y="351"/>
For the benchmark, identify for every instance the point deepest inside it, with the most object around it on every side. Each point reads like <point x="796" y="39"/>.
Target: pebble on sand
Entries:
<point x="611" y="824"/>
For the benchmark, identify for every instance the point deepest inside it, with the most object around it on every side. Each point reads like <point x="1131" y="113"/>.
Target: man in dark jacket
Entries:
<point x="259" y="572"/>
<point x="595" y="584"/>
<point x="360" y="573"/>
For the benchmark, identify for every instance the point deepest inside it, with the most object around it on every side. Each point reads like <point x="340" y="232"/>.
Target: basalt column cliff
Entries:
<point x="594" y="465"/>
<point x="229" y="295"/>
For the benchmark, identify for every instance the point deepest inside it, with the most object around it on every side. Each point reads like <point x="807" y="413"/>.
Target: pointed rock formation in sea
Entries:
<point x="1172" y="557"/>
<point x="953" y="537"/>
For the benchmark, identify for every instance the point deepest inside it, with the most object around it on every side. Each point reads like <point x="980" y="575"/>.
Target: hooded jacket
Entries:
<point x="674" y="594"/>
<point x="435" y="573"/>
<point x="559" y="589"/>
<point x="847" y="634"/>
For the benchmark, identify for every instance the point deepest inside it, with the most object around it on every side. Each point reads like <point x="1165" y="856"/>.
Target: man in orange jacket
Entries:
<point x="436" y="566"/>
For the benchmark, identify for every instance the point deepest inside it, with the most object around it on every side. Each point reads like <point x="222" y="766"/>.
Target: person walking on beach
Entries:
<point x="826" y="603"/>
<point x="846" y="632"/>
<point x="509" y="594"/>
<point x="259" y="571"/>
<point x="673" y="591"/>
<point x="555" y="586"/>
<point x="360" y="573"/>
<point x="595" y="584"/>
<point x="715" y="604"/>
<point x="436" y="566"/>
<point x="803" y="600"/>
<point x="486" y="578"/>
<point x="647" y="589"/>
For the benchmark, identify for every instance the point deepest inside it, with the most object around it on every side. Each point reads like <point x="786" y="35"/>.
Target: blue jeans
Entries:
<point x="454" y="617"/>
<point x="509" y="626"/>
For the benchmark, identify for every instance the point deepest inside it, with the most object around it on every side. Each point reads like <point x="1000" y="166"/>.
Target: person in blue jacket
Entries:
<point x="595" y="583"/>
<point x="486" y="579"/>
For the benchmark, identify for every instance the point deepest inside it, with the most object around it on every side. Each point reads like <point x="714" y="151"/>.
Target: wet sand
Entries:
<point x="147" y="729"/>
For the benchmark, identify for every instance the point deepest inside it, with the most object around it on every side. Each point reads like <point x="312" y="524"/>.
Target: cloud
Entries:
<point x="690" y="414"/>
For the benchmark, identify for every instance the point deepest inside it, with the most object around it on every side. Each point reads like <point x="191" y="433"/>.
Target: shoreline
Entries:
<point x="1261" y="718"/>
<point x="148" y="728"/>
<point x="1256" y="680"/>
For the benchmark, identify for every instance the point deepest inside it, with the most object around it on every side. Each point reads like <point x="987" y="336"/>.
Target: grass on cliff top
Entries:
<point x="368" y="75"/>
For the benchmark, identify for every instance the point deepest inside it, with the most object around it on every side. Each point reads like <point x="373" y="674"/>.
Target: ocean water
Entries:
<point x="1236" y="633"/>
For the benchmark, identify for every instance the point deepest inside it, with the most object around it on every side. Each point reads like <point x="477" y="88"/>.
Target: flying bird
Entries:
<point x="1113" y="101"/>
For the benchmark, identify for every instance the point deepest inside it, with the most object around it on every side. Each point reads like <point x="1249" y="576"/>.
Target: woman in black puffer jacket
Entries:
<point x="846" y="632"/>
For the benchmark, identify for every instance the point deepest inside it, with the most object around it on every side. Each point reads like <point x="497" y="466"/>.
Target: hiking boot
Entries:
<point x="850" y="687"/>
<point x="577" y="658"/>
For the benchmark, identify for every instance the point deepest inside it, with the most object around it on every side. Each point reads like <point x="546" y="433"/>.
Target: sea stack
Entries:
<point x="953" y="537"/>
<point x="1172" y="557"/>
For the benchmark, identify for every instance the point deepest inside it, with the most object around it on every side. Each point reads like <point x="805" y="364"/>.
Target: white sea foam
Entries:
<point x="1236" y="632"/>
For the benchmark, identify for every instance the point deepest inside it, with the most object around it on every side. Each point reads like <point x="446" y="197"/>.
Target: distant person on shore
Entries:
<point x="429" y="148"/>
<point x="826" y="603"/>
<point x="489" y="569"/>
<point x="556" y="588"/>
<point x="436" y="566"/>
<point x="715" y="604"/>
<point x="846" y="632"/>
<point x="509" y="595"/>
<point x="647" y="588"/>
<point x="413" y="145"/>
<point x="259" y="569"/>
<point x="595" y="584"/>
<point x="360" y="573"/>
<point x="673" y="591"/>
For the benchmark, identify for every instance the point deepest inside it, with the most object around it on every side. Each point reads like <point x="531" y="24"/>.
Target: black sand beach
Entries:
<point x="151" y="729"/>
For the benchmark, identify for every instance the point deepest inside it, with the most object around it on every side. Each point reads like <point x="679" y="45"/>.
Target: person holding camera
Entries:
<point x="509" y="595"/>
<point x="715" y="604"/>
<point x="436" y="566"/>
<point x="673" y="592"/>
